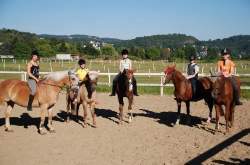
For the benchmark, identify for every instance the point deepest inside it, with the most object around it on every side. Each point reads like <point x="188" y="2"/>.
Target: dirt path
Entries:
<point x="149" y="139"/>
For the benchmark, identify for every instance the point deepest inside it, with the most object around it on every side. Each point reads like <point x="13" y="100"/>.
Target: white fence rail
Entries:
<point x="109" y="83"/>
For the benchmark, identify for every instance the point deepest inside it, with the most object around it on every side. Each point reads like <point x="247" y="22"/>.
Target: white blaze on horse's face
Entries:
<point x="168" y="74"/>
<point x="74" y="80"/>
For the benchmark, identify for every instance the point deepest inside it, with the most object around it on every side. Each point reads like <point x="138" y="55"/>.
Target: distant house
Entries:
<point x="63" y="57"/>
<point x="75" y="56"/>
<point x="6" y="56"/>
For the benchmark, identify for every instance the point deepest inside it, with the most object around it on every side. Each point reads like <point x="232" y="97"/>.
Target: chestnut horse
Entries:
<point x="17" y="92"/>
<point x="125" y="89"/>
<point x="85" y="98"/>
<point x="183" y="91"/>
<point x="223" y="94"/>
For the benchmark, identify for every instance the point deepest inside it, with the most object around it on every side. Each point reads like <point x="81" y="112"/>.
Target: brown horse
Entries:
<point x="86" y="97"/>
<point x="223" y="94"/>
<point x="17" y="92"/>
<point x="125" y="89"/>
<point x="183" y="91"/>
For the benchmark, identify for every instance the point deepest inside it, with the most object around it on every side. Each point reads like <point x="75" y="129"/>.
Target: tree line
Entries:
<point x="167" y="47"/>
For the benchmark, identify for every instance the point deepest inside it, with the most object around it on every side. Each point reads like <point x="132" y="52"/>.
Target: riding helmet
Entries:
<point x="124" y="51"/>
<point x="191" y="58"/>
<point x="81" y="61"/>
<point x="34" y="52"/>
<point x="225" y="51"/>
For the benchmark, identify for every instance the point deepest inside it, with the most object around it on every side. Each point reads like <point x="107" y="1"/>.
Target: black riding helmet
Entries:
<point x="34" y="52"/>
<point x="225" y="51"/>
<point x="81" y="61"/>
<point x="124" y="51"/>
<point x="191" y="58"/>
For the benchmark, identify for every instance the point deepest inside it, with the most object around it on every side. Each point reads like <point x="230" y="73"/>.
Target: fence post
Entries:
<point x="109" y="78"/>
<point x="23" y="76"/>
<point x="161" y="87"/>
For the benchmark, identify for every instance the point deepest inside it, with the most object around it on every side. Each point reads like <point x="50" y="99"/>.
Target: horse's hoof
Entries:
<point x="42" y="132"/>
<point x="52" y="131"/>
<point x="208" y="120"/>
<point x="177" y="122"/>
<point x="130" y="119"/>
<point x="84" y="125"/>
<point x="9" y="129"/>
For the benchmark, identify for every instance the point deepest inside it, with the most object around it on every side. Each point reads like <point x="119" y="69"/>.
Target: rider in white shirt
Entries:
<point x="125" y="63"/>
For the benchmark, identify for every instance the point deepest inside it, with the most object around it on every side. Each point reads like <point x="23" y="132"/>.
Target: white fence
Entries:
<point x="23" y="77"/>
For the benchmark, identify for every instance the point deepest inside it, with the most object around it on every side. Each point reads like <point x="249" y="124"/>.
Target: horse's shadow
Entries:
<point x="108" y="114"/>
<point x="169" y="118"/>
<point x="62" y="117"/>
<point x="24" y="120"/>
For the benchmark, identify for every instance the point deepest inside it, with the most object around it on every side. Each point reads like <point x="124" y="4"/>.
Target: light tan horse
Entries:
<point x="17" y="92"/>
<point x="87" y="97"/>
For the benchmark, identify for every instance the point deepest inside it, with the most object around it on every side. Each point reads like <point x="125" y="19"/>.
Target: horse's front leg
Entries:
<point x="210" y="104"/>
<point x="178" y="113"/>
<point x="130" y="102"/>
<point x="92" y="110"/>
<point x="68" y="111"/>
<point x="232" y="116"/>
<point x="50" y="117"/>
<point x="188" y="112"/>
<point x="227" y="116"/>
<point x="85" y="114"/>
<point x="41" y="128"/>
<point x="218" y="110"/>
<point x="121" y="113"/>
<point x="10" y="106"/>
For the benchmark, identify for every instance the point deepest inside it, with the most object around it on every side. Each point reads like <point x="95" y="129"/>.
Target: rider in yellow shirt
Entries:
<point x="81" y="74"/>
<point x="83" y="70"/>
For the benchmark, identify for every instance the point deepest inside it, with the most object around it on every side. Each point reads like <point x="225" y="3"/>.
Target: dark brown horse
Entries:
<point x="87" y="97"/>
<point x="125" y="89"/>
<point x="223" y="94"/>
<point x="183" y="91"/>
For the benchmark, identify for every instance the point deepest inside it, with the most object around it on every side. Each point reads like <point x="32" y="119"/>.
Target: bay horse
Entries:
<point x="125" y="89"/>
<point x="87" y="97"/>
<point x="17" y="92"/>
<point x="183" y="91"/>
<point x="223" y="94"/>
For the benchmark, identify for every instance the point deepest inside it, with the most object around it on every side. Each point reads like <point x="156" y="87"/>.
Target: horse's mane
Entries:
<point x="93" y="75"/>
<point x="56" y="76"/>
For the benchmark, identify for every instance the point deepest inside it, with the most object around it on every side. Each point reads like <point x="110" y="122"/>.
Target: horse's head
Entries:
<point x="129" y="73"/>
<point x="91" y="82"/>
<point x="218" y="87"/>
<point x="73" y="79"/>
<point x="168" y="71"/>
<point x="63" y="78"/>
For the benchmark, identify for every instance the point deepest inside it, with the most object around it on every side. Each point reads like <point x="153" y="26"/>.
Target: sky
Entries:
<point x="127" y="19"/>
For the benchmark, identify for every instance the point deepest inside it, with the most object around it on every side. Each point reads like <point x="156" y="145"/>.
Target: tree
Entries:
<point x="108" y="50"/>
<point x="44" y="48"/>
<point x="165" y="53"/>
<point x="90" y="50"/>
<point x="21" y="50"/>
<point x="211" y="54"/>
<point x="189" y="51"/>
<point x="153" y="53"/>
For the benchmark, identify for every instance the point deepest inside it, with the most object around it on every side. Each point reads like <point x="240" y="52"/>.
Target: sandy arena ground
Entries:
<point x="149" y="139"/>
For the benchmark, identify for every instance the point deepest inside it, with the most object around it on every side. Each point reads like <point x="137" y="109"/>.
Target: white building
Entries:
<point x="63" y="57"/>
